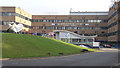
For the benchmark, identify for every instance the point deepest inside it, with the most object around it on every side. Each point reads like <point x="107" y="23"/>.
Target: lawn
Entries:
<point x="20" y="45"/>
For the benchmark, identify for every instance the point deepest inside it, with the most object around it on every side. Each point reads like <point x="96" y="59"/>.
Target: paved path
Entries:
<point x="106" y="58"/>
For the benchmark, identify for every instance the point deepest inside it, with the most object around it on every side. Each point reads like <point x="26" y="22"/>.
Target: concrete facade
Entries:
<point x="14" y="14"/>
<point x="81" y="24"/>
<point x="114" y="23"/>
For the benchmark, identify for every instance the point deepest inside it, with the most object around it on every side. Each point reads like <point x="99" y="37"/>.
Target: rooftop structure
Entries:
<point x="88" y="13"/>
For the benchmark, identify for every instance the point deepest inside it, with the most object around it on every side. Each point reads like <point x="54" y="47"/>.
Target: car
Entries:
<point x="83" y="46"/>
<point x="106" y="45"/>
<point x="89" y="46"/>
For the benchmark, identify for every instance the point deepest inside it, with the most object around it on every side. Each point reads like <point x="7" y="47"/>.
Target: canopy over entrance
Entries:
<point x="72" y="37"/>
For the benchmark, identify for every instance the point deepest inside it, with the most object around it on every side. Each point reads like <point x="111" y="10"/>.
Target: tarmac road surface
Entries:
<point x="107" y="57"/>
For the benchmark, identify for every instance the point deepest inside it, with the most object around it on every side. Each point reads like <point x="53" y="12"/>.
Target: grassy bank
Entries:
<point x="19" y="45"/>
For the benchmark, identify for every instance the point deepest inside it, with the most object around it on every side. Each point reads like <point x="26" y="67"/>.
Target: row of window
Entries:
<point x="53" y="27"/>
<point x="14" y="14"/>
<point x="76" y="40"/>
<point x="113" y="24"/>
<point x="53" y="20"/>
<point x="114" y="14"/>
<point x="113" y="33"/>
<point x="65" y="27"/>
<point x="6" y="23"/>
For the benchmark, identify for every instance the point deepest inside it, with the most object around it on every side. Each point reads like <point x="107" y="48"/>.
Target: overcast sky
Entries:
<point x="61" y="7"/>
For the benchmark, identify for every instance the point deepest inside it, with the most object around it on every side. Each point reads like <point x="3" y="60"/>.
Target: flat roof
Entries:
<point x="89" y="13"/>
<point x="73" y="33"/>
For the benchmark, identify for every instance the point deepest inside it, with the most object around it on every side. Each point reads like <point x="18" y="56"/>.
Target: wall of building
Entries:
<point x="82" y="24"/>
<point x="14" y="14"/>
<point x="113" y="27"/>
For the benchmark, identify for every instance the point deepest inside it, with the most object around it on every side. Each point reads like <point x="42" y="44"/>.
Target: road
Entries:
<point x="109" y="57"/>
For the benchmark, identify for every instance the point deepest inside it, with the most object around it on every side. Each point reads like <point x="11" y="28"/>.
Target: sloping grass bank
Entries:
<point x="20" y="45"/>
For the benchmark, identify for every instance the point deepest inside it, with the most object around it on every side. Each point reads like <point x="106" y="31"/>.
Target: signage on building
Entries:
<point x="86" y="24"/>
<point x="53" y="24"/>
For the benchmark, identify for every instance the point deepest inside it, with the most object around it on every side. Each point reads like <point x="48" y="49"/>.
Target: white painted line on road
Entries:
<point x="5" y="59"/>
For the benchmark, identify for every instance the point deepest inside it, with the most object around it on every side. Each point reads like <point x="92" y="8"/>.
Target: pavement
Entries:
<point x="105" y="57"/>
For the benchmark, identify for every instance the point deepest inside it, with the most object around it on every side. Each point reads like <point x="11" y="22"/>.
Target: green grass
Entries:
<point x="19" y="46"/>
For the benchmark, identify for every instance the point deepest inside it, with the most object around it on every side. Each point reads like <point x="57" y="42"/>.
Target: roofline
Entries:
<point x="72" y="33"/>
<point x="66" y="15"/>
<point x="91" y="12"/>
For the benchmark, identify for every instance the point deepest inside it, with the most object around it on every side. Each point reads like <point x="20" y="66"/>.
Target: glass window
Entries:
<point x="86" y="20"/>
<point x="75" y="40"/>
<point x="59" y="27"/>
<point x="95" y="21"/>
<point x="44" y="20"/>
<point x="70" y="20"/>
<point x="65" y="20"/>
<point x="59" y="20"/>
<point x="92" y="20"/>
<point x="78" y="21"/>
<point x="82" y="20"/>
<point x="98" y="21"/>
<point x="79" y="28"/>
<point x="89" y="20"/>
<point x="90" y="40"/>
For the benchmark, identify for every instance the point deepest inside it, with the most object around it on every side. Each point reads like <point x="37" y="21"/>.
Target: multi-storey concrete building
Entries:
<point x="106" y="25"/>
<point x="14" y="14"/>
<point x="114" y="23"/>
<point x="89" y="24"/>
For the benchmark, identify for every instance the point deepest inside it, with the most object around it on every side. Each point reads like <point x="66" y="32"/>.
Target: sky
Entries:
<point x="58" y="7"/>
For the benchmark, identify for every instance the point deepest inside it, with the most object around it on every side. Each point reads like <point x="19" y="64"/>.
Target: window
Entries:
<point x="86" y="20"/>
<point x="95" y="20"/>
<point x="89" y="20"/>
<point x="102" y="32"/>
<point x="83" y="17"/>
<point x="65" y="20"/>
<point x="44" y="20"/>
<point x="92" y="20"/>
<point x="43" y="24"/>
<point x="79" y="27"/>
<point x="98" y="21"/>
<point x="59" y="27"/>
<point x="59" y="21"/>
<point x="5" y="23"/>
<point x="82" y="20"/>
<point x="74" y="40"/>
<point x="43" y="31"/>
<point x="90" y="40"/>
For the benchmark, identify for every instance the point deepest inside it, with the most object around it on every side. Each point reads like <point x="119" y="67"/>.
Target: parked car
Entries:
<point x="106" y="45"/>
<point x="83" y="46"/>
<point x="89" y="46"/>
